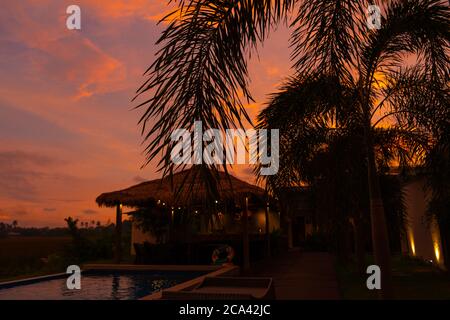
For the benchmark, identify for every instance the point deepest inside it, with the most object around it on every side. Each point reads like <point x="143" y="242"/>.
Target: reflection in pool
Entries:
<point x="98" y="286"/>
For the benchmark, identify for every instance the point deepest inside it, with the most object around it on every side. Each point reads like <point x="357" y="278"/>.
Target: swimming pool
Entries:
<point x="97" y="285"/>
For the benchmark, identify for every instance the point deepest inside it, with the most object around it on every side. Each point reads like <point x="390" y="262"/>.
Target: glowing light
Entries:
<point x="411" y="242"/>
<point x="413" y="248"/>
<point x="437" y="253"/>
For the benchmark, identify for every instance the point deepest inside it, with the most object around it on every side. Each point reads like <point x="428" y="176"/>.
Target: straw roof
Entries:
<point x="161" y="191"/>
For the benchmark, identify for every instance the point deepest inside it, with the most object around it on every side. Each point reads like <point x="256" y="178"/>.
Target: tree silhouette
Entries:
<point x="201" y="71"/>
<point x="328" y="154"/>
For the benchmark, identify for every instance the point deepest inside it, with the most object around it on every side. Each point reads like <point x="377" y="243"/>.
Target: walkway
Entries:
<point x="301" y="275"/>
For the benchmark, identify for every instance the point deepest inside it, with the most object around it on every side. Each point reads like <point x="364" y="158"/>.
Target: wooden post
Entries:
<point x="245" y="238"/>
<point x="118" y="246"/>
<point x="268" y="231"/>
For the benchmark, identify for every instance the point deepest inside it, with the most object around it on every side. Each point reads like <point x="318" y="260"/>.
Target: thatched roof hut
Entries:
<point x="164" y="191"/>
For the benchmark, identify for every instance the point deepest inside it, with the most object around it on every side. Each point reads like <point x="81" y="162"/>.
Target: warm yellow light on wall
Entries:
<point x="411" y="243"/>
<point x="437" y="253"/>
<point x="436" y="238"/>
<point x="413" y="248"/>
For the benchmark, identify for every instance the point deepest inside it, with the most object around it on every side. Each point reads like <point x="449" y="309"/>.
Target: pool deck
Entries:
<point x="300" y="275"/>
<point x="296" y="275"/>
<point x="226" y="270"/>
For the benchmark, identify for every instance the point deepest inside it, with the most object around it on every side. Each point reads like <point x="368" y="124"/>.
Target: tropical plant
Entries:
<point x="201" y="71"/>
<point x="90" y="244"/>
<point x="154" y="221"/>
<point x="328" y="155"/>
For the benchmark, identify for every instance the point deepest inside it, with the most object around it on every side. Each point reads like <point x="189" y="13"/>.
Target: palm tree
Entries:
<point x="326" y="153"/>
<point x="72" y="226"/>
<point x="201" y="71"/>
<point x="3" y="229"/>
<point x="373" y="65"/>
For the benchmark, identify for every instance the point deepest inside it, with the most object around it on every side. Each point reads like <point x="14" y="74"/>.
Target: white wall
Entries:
<point x="423" y="240"/>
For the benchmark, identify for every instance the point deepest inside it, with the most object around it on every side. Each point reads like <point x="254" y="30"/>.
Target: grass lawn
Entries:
<point x="413" y="279"/>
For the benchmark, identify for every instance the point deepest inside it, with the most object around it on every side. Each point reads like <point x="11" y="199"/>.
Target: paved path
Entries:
<point x="301" y="275"/>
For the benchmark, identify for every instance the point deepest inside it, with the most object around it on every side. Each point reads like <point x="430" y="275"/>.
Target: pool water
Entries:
<point x="98" y="286"/>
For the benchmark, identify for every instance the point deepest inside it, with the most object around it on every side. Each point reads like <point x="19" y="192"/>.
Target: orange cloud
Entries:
<point x="128" y="8"/>
<point x="59" y="69"/>
<point x="104" y="74"/>
<point x="78" y="61"/>
<point x="66" y="55"/>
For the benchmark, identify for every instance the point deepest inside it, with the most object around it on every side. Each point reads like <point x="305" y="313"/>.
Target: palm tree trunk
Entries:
<point x="380" y="238"/>
<point x="245" y="237"/>
<point x="360" y="246"/>
<point x="343" y="244"/>
<point x="118" y="246"/>
<point x="267" y="231"/>
<point x="444" y="228"/>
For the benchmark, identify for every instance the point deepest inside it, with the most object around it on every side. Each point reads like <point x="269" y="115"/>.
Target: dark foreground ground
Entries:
<point x="301" y="275"/>
<point x="412" y="278"/>
<point x="316" y="276"/>
<point x="297" y="274"/>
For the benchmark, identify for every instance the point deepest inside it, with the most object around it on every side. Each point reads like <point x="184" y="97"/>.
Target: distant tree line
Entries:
<point x="51" y="250"/>
<point x="13" y="228"/>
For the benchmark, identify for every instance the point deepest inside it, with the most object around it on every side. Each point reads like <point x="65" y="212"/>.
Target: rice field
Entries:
<point x="26" y="256"/>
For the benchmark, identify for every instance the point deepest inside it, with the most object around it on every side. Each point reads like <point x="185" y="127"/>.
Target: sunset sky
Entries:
<point x="67" y="131"/>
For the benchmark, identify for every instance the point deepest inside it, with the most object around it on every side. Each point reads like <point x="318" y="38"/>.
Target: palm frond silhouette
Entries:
<point x="200" y="73"/>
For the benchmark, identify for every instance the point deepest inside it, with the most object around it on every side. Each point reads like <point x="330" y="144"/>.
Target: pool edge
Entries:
<point x="225" y="270"/>
<point x="211" y="271"/>
<point x="6" y="284"/>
